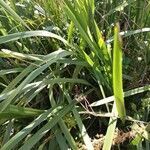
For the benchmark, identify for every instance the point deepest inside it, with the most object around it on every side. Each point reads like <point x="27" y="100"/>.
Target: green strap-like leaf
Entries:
<point x="13" y="111"/>
<point x="117" y="74"/>
<point x="20" y="35"/>
<point x="110" y="130"/>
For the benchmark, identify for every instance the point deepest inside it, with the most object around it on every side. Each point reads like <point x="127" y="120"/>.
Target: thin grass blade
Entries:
<point x="110" y="130"/>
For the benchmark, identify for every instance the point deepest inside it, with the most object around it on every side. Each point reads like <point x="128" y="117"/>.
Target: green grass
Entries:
<point x="117" y="74"/>
<point x="64" y="71"/>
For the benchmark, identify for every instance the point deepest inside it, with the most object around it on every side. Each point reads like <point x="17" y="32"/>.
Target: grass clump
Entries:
<point x="65" y="72"/>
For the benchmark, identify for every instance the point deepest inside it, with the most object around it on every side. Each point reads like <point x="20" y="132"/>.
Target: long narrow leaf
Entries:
<point x="126" y="94"/>
<point x="13" y="111"/>
<point x="110" y="130"/>
<point x="117" y="74"/>
<point x="21" y="35"/>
